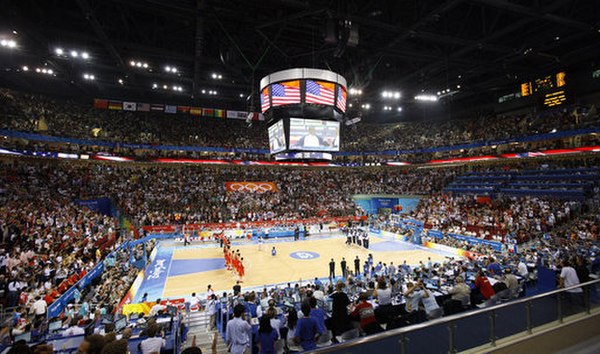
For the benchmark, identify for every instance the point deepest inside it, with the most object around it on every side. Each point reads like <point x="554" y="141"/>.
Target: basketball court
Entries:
<point x="177" y="271"/>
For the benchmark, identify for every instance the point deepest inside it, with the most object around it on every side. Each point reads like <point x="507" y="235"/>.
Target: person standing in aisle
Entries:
<point x="344" y="269"/>
<point x="237" y="332"/>
<point x="356" y="266"/>
<point x="332" y="269"/>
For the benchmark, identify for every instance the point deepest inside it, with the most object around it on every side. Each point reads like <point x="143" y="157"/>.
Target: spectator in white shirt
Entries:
<point x="73" y="330"/>
<point x="152" y="344"/>
<point x="39" y="307"/>
<point x="568" y="277"/>
<point x="523" y="271"/>
<point x="157" y="308"/>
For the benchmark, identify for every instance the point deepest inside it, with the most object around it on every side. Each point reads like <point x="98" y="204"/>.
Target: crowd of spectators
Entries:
<point x="28" y="112"/>
<point x="153" y="195"/>
<point x="419" y="135"/>
<point x="48" y="243"/>
<point x="387" y="296"/>
<point x="33" y="113"/>
<point x="519" y="217"/>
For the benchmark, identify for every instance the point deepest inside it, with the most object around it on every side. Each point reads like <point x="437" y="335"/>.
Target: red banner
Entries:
<point x="251" y="187"/>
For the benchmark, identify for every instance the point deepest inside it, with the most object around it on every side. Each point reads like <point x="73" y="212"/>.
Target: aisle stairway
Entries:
<point x="198" y="326"/>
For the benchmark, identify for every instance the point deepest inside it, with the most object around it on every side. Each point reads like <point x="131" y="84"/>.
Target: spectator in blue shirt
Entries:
<point x="307" y="330"/>
<point x="267" y="336"/>
<point x="493" y="267"/>
<point x="317" y="314"/>
<point x="318" y="282"/>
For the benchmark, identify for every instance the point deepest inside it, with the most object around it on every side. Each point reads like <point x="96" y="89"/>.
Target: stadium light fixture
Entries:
<point x="430" y="98"/>
<point x="120" y="81"/>
<point x="391" y="94"/>
<point x="241" y="95"/>
<point x="355" y="92"/>
<point x="89" y="77"/>
<point x="25" y="68"/>
<point x="59" y="51"/>
<point x="85" y="55"/>
<point x="8" y="43"/>
<point x="399" y="109"/>
<point x="366" y="106"/>
<point x="132" y="63"/>
<point x="154" y="85"/>
<point x="74" y="54"/>
<point x="203" y="92"/>
<point x="43" y="71"/>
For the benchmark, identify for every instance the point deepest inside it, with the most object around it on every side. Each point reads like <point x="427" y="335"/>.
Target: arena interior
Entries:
<point x="284" y="176"/>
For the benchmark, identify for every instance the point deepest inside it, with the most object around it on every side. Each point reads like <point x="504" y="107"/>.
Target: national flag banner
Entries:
<point x="143" y="107"/>
<point x="195" y="111"/>
<point x="256" y="116"/>
<point x="157" y="107"/>
<point x="237" y="114"/>
<point x="208" y="112"/>
<point x="170" y="109"/>
<point x="320" y="92"/>
<point x="183" y="109"/>
<point x="100" y="103"/>
<point x="264" y="100"/>
<point x="220" y="113"/>
<point x="115" y="105"/>
<point x="287" y="92"/>
<point x="341" y="98"/>
<point x="129" y="106"/>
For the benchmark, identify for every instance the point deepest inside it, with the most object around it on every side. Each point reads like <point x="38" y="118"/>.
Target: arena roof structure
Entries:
<point x="217" y="51"/>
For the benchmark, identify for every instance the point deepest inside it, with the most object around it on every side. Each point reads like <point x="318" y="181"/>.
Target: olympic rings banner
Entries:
<point x="251" y="187"/>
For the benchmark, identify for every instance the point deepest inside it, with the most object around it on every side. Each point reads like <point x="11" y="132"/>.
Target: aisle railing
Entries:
<point x="481" y="326"/>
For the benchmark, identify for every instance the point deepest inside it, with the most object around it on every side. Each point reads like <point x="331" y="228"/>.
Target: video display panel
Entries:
<point x="314" y="135"/>
<point x="276" y="137"/>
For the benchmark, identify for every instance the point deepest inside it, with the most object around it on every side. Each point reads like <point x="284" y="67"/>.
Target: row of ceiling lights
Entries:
<point x="167" y="87"/>
<point x="8" y="43"/>
<point x="79" y="54"/>
<point x="72" y="53"/>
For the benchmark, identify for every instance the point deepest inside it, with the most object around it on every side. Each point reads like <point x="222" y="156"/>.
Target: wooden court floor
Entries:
<point x="263" y="269"/>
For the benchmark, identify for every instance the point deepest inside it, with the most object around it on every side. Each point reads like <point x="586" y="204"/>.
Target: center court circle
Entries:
<point x="304" y="255"/>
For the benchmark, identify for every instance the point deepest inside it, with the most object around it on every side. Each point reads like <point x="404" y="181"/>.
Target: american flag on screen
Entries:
<point x="320" y="92"/>
<point x="287" y="92"/>
<point x="341" y="99"/>
<point x="264" y="99"/>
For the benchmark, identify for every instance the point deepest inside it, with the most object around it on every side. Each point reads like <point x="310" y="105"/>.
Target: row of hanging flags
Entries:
<point x="173" y="109"/>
